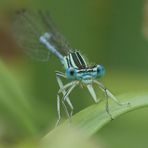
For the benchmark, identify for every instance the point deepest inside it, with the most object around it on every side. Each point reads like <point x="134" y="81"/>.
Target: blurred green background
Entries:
<point x="107" y="32"/>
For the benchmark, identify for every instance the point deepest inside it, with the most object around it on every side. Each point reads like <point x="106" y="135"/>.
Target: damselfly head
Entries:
<point x="85" y="74"/>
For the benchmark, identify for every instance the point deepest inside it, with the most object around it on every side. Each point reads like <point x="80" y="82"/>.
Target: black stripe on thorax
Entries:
<point x="68" y="62"/>
<point x="77" y="60"/>
<point x="81" y="59"/>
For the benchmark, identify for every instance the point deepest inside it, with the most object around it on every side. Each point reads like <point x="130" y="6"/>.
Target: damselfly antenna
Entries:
<point x="36" y="34"/>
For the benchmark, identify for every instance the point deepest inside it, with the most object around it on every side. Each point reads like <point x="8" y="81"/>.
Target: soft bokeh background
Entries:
<point x="109" y="32"/>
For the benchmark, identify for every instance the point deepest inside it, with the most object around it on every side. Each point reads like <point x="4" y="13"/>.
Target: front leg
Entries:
<point x="109" y="94"/>
<point x="59" y="108"/>
<point x="58" y="111"/>
<point x="63" y="91"/>
<point x="92" y="92"/>
<point x="106" y="96"/>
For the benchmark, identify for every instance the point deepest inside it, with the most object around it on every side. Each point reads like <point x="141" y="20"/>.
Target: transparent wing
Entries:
<point x="28" y="26"/>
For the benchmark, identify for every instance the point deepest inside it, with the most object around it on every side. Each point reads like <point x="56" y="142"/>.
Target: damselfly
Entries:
<point x="36" y="34"/>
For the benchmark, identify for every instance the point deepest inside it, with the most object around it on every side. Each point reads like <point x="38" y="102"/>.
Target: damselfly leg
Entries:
<point x="107" y="106"/>
<point x="62" y="90"/>
<point x="107" y="95"/>
<point x="92" y="92"/>
<point x="70" y="86"/>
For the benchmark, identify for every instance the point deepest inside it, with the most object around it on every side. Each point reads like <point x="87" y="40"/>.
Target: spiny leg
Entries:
<point x="66" y="110"/>
<point x="69" y="91"/>
<point x="71" y="106"/>
<point x="66" y="98"/>
<point x="58" y="110"/>
<point x="107" y="106"/>
<point x="109" y="94"/>
<point x="92" y="92"/>
<point x="58" y="75"/>
<point x="115" y="99"/>
<point x="62" y="90"/>
<point x="106" y="96"/>
<point x="65" y="87"/>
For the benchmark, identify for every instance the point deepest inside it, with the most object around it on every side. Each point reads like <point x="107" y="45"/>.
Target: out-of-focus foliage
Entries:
<point x="14" y="106"/>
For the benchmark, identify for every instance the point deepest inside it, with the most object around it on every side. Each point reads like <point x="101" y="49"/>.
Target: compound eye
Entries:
<point x="71" y="71"/>
<point x="100" y="70"/>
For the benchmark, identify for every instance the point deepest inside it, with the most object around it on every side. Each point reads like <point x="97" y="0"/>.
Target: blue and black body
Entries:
<point x="36" y="34"/>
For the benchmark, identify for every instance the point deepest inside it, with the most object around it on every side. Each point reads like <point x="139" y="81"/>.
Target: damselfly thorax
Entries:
<point x="36" y="34"/>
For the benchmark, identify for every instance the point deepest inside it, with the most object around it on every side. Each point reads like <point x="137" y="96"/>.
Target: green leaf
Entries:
<point x="94" y="117"/>
<point x="69" y="138"/>
<point x="14" y="107"/>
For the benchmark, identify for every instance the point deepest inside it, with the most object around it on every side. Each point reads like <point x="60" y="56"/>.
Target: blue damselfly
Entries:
<point x="36" y="34"/>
